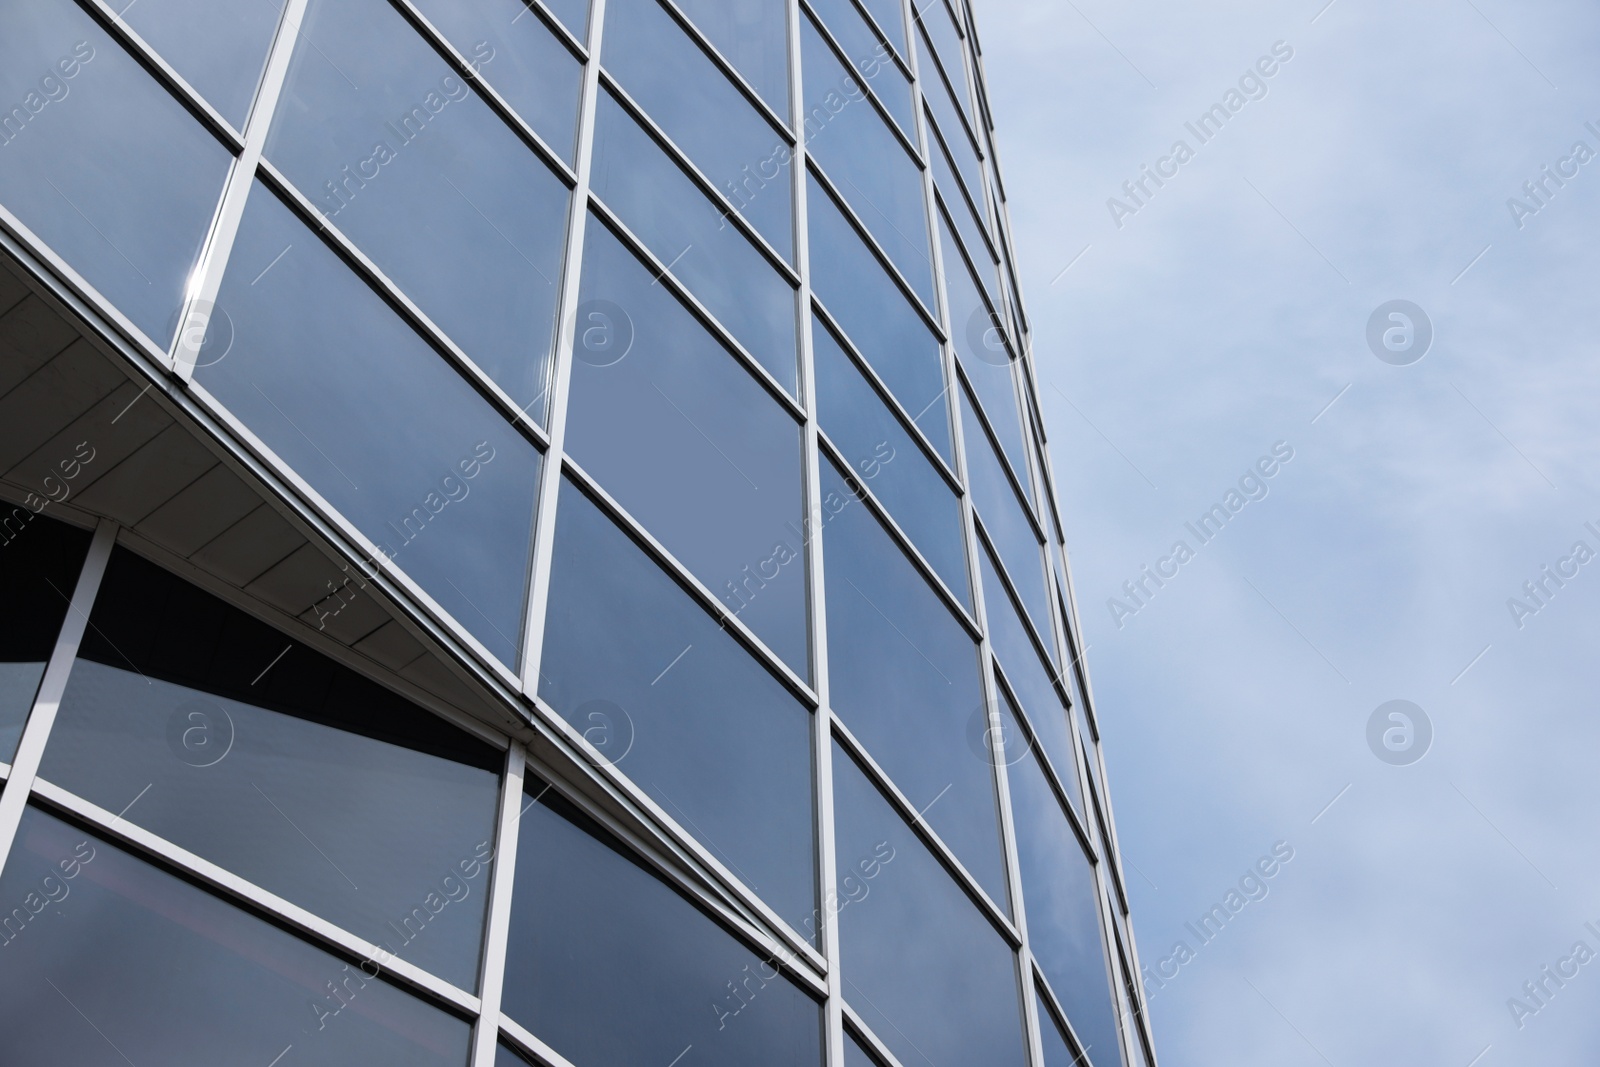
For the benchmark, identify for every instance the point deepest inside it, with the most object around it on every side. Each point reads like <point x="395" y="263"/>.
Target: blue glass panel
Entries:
<point x="513" y="50"/>
<point x="704" y="113"/>
<point x="1015" y="741"/>
<point x="1059" y="886"/>
<point x="890" y="19"/>
<point x="216" y="732"/>
<point x="857" y="149"/>
<point x="396" y="149"/>
<point x="968" y="217"/>
<point x="574" y="15"/>
<point x="985" y="353"/>
<point x="76" y="109"/>
<point x="124" y="963"/>
<point x="39" y="563"/>
<point x="664" y="208"/>
<point x="220" y="49"/>
<point x="672" y="426"/>
<point x="958" y="140"/>
<point x="377" y="422"/>
<point x="904" y="676"/>
<point x="935" y="981"/>
<point x="753" y="35"/>
<point x="1057" y="1047"/>
<point x="1006" y="520"/>
<point x="885" y="456"/>
<point x="935" y="18"/>
<point x="609" y="964"/>
<point x="871" y="58"/>
<point x="855" y="1055"/>
<point x="878" y="317"/>
<point x="676" y="703"/>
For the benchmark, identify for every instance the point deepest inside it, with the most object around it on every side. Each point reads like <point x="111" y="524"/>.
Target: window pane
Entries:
<point x="887" y="458"/>
<point x="890" y="19"/>
<point x="958" y="142"/>
<point x="635" y="177"/>
<point x="984" y="351"/>
<point x="1025" y="671"/>
<point x="220" y="49"/>
<point x="665" y="418"/>
<point x="855" y="1055"/>
<point x="920" y="963"/>
<point x="39" y="563"/>
<point x="753" y="35"/>
<point x="420" y="173"/>
<point x="877" y="315"/>
<point x="1006" y="520"/>
<point x="273" y="761"/>
<point x="649" y="677"/>
<point x="936" y="20"/>
<point x="858" y="151"/>
<point x="513" y="50"/>
<point x="1059" y="886"/>
<point x="376" y="421"/>
<point x="574" y="15"/>
<point x="611" y="965"/>
<point x="871" y="57"/>
<point x="1016" y="741"/>
<point x="679" y="87"/>
<point x="1057" y="1046"/>
<point x="904" y="678"/>
<point x="80" y="110"/>
<point x="967" y="214"/>
<point x="171" y="974"/>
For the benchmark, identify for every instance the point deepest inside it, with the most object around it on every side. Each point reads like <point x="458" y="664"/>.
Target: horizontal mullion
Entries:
<point x="529" y="1045"/>
<point x="1042" y="988"/>
<point x="230" y="886"/>
<point x="863" y="1034"/>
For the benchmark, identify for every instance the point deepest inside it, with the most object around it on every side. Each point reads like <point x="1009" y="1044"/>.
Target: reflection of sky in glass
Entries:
<point x="1229" y="311"/>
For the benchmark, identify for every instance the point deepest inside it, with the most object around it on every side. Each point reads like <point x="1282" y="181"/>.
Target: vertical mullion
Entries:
<point x="561" y="365"/>
<point x="491" y="981"/>
<point x="822" y="720"/>
<point x="206" y="281"/>
<point x="47" y="701"/>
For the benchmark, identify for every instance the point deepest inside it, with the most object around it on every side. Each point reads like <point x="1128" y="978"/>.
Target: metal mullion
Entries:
<point x="206" y="281"/>
<point x="674" y="285"/>
<point x="713" y="888"/>
<point x="239" y="891"/>
<point x="1018" y="489"/>
<point x="866" y="86"/>
<point x="497" y="925"/>
<point x="890" y="401"/>
<point x="706" y="185"/>
<point x="924" y="831"/>
<point x="697" y="589"/>
<point x="486" y="90"/>
<point x="901" y="539"/>
<point x="328" y="522"/>
<point x="939" y="77"/>
<point x="528" y="1044"/>
<point x="979" y="215"/>
<point x="549" y="491"/>
<point x="1041" y="647"/>
<point x="1041" y="988"/>
<point x="553" y="22"/>
<point x="163" y="72"/>
<point x="418" y="320"/>
<point x="726" y="67"/>
<point x="874" y="29"/>
<point x="826" y="843"/>
<point x="47" y="698"/>
<point x="1053" y="778"/>
<point x="854" y="220"/>
<point x="968" y="78"/>
<point x="864" y="1035"/>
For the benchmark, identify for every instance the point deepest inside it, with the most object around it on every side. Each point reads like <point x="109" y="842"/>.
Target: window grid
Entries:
<point x="249" y="163"/>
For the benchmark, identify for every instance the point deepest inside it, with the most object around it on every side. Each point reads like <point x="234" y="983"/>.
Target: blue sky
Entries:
<point x="1224" y="316"/>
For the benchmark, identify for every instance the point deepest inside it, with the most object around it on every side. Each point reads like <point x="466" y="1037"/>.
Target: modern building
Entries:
<point x="528" y="538"/>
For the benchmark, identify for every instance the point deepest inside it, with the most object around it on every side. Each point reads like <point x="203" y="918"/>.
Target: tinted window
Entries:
<point x="1057" y="1046"/>
<point x="923" y="967"/>
<point x="667" y="695"/>
<point x="171" y="974"/>
<point x="942" y="99"/>
<point x="984" y="350"/>
<point x="39" y="563"/>
<point x="877" y="315"/>
<point x="679" y="87"/>
<point x="513" y="50"/>
<point x="871" y="58"/>
<point x="855" y="1055"/>
<point x="574" y="15"/>
<point x="1059" y="886"/>
<point x="967" y="213"/>
<point x="371" y="416"/>
<point x="219" y="49"/>
<point x="885" y="456"/>
<point x="635" y="177"/>
<point x="1017" y="740"/>
<point x="74" y="109"/>
<point x="936" y="20"/>
<point x="1006" y="519"/>
<point x="669" y="422"/>
<point x="904" y="678"/>
<point x="869" y="167"/>
<point x="420" y="173"/>
<point x="890" y="19"/>
<point x="611" y="965"/>
<point x="268" y="759"/>
<point x="753" y="35"/>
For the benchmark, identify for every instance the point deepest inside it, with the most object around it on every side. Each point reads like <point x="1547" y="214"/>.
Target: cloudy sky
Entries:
<point x="1229" y="312"/>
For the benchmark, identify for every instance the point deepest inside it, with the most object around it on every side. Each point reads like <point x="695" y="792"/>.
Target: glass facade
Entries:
<point x="659" y="366"/>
